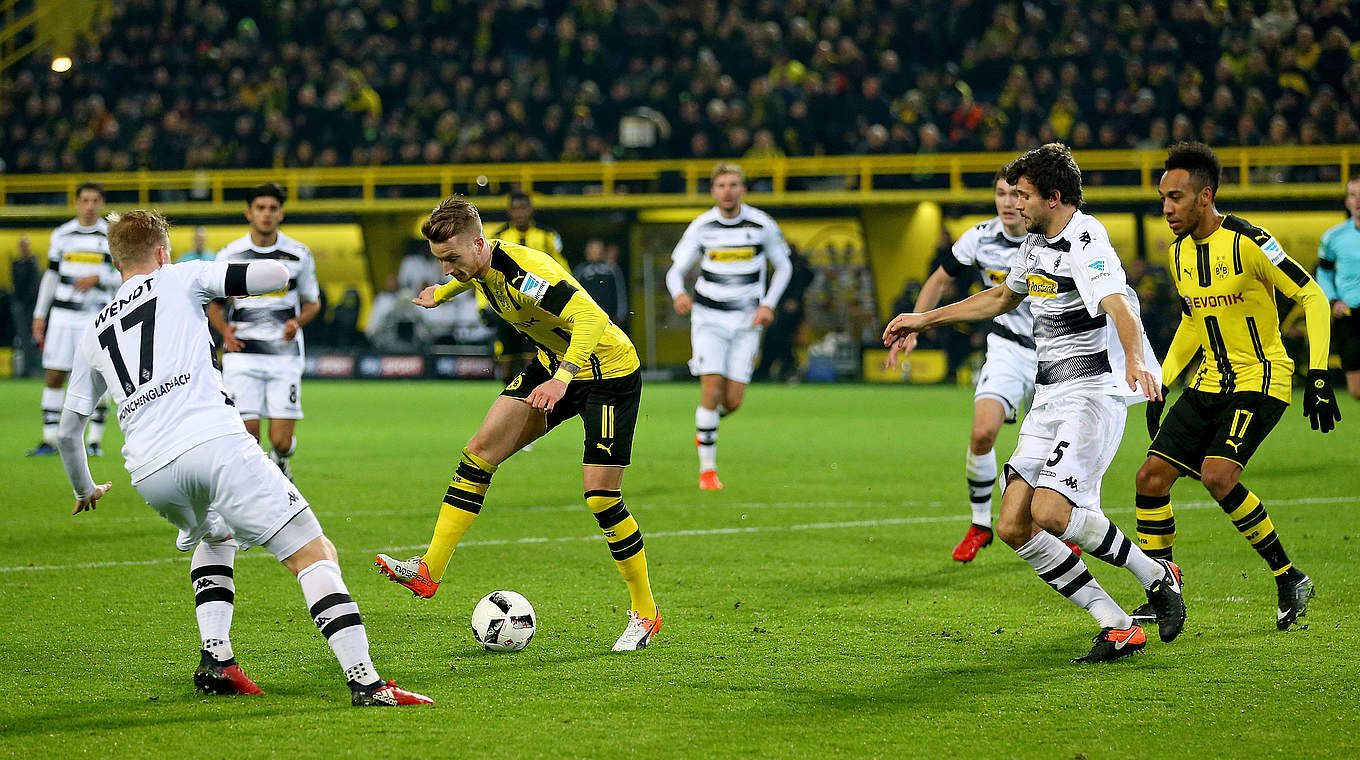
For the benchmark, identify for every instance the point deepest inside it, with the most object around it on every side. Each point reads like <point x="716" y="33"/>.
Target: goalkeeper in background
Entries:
<point x="586" y="367"/>
<point x="1227" y="272"/>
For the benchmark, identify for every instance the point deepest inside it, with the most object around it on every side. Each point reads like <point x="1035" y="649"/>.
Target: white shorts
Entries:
<point x="264" y="386"/>
<point x="722" y="349"/>
<point x="59" y="346"/>
<point x="1066" y="444"/>
<point x="227" y="487"/>
<point x="1007" y="375"/>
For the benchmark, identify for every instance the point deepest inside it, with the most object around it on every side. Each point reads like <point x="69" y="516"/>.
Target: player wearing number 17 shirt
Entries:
<point x="1093" y="360"/>
<point x="1227" y="272"/>
<point x="190" y="457"/>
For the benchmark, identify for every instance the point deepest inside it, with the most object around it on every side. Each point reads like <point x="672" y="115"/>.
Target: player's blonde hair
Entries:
<point x="727" y="167"/>
<point x="450" y="218"/>
<point x="135" y="235"/>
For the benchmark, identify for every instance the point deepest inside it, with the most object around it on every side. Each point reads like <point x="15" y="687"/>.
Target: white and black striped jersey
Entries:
<point x="151" y="349"/>
<point x="989" y="249"/>
<point x="76" y="252"/>
<point x="1066" y="277"/>
<point x="260" y="319"/>
<point x="732" y="255"/>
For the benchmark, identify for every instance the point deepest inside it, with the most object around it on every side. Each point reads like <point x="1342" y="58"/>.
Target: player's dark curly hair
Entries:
<point x="267" y="190"/>
<point x="1198" y="159"/>
<point x="1049" y="167"/>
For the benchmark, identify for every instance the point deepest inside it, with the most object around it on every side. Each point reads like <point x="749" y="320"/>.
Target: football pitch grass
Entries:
<point x="811" y="609"/>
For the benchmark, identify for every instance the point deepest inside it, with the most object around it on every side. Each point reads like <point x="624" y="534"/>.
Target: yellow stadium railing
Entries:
<point x="1130" y="176"/>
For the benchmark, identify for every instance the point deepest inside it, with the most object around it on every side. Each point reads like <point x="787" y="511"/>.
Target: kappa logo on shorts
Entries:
<point x="1070" y="482"/>
<point x="293" y="497"/>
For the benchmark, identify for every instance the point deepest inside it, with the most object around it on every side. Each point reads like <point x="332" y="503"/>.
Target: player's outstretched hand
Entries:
<point x="547" y="394"/>
<point x="1319" y="401"/>
<point x="1139" y="378"/>
<point x="426" y="298"/>
<point x="901" y="326"/>
<point x="899" y="349"/>
<point x="83" y="505"/>
<point x="1154" y="414"/>
<point x="764" y="316"/>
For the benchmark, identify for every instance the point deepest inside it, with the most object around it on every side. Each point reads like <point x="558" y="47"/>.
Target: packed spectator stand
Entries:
<point x="193" y="84"/>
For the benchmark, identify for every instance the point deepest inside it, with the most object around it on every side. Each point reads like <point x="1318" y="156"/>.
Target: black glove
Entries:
<point x="1154" y="414"/>
<point x="1319" y="402"/>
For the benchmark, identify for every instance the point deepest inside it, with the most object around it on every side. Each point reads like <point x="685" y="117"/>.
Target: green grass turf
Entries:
<point x="811" y="609"/>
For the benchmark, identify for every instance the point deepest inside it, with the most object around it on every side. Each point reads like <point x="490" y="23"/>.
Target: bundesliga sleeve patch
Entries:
<point x="1097" y="269"/>
<point x="533" y="287"/>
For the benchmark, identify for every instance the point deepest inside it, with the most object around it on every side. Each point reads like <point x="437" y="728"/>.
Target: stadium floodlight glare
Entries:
<point x="61" y="64"/>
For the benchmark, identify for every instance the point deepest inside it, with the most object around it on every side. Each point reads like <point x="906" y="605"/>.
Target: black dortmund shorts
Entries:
<point x="608" y="411"/>
<point x="1221" y="425"/>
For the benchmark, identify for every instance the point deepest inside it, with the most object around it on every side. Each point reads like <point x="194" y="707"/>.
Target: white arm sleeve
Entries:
<point x="686" y="254"/>
<point x="83" y="389"/>
<point x="219" y="279"/>
<point x="71" y="444"/>
<point x="309" y="291"/>
<point x="47" y="290"/>
<point x="777" y="251"/>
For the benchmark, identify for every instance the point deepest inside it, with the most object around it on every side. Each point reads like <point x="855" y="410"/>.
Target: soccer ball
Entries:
<point x="503" y="621"/>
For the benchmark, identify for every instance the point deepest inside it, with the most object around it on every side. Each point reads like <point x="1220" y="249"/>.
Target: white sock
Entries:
<point x="51" y="413"/>
<point x="212" y="574"/>
<point x="981" y="470"/>
<point x="292" y="448"/>
<point x="337" y="617"/>
<point x="706" y="437"/>
<point x="1099" y="537"/>
<point x="1067" y="574"/>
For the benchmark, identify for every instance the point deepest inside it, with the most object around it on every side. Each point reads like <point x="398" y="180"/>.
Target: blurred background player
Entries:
<point x="1093" y="361"/>
<point x="262" y="343"/>
<point x="512" y="351"/>
<point x="732" y="303"/>
<point x="1006" y="383"/>
<point x="189" y="456"/>
<point x="585" y="367"/>
<point x="1338" y="273"/>
<point x="1227" y="271"/>
<point x="200" y="251"/>
<point x="78" y="282"/>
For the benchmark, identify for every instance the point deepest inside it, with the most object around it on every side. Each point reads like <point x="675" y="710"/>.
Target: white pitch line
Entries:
<point x="697" y="531"/>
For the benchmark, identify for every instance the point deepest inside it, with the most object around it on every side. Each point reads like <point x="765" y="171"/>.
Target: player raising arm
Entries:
<point x="1227" y="272"/>
<point x="190" y="457"/>
<point x="586" y="367"/>
<point x="1087" y="371"/>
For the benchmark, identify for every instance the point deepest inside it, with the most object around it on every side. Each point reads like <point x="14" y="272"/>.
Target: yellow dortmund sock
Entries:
<point x="1156" y="525"/>
<point x="1249" y="516"/>
<point x="462" y="502"/>
<point x="625" y="543"/>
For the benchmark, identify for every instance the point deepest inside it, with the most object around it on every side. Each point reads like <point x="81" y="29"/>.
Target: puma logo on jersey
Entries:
<point x="1233" y="444"/>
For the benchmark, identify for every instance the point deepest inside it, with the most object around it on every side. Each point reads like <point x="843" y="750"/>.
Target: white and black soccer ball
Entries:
<point x="503" y="621"/>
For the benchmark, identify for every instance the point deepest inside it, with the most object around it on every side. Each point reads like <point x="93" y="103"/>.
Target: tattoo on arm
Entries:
<point x="572" y="368"/>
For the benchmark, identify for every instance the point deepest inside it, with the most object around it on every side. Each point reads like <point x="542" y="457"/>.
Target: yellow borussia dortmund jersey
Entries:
<point x="537" y="238"/>
<point x="536" y="295"/>
<point x="1227" y="284"/>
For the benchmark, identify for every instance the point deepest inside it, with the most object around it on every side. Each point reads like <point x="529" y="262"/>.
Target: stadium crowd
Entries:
<point x="174" y="84"/>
